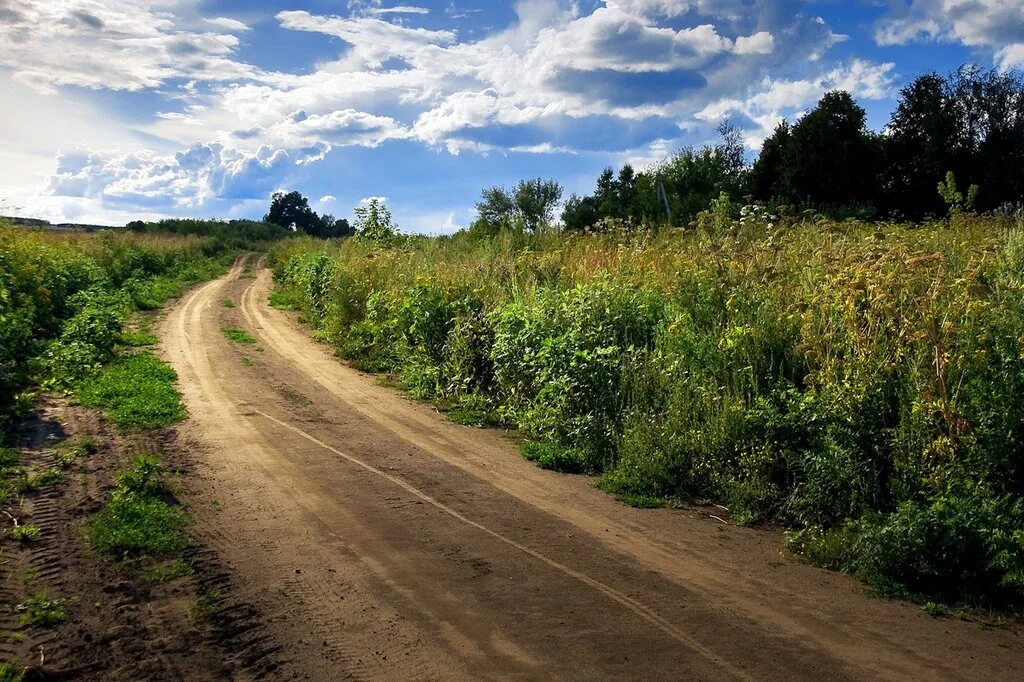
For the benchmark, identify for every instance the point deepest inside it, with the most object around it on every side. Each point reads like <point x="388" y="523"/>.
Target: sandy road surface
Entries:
<point x="380" y="541"/>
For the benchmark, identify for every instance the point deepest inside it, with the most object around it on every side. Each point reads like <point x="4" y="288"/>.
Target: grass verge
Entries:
<point x="135" y="391"/>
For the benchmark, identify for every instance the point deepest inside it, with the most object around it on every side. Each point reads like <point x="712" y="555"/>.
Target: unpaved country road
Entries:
<point x="378" y="541"/>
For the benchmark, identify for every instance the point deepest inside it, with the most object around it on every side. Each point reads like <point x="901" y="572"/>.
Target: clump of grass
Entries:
<point x="11" y="672"/>
<point x="293" y="396"/>
<point x="238" y="335"/>
<point x="472" y="410"/>
<point x="12" y="476"/>
<point x="935" y="609"/>
<point x="137" y="522"/>
<point x="280" y="300"/>
<point x="206" y="605"/>
<point x="145" y="475"/>
<point x="37" y="480"/>
<point x="25" y="533"/>
<point x="136" y="339"/>
<point x="41" y="611"/>
<point x="553" y="456"/>
<point x="248" y="362"/>
<point x="227" y="303"/>
<point x="135" y="391"/>
<point x="133" y="527"/>
<point x="640" y="500"/>
<point x="168" y="571"/>
<point x="71" y="451"/>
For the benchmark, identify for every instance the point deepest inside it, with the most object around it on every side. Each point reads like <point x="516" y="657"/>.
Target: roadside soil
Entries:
<point x="374" y="539"/>
<point x="120" y="625"/>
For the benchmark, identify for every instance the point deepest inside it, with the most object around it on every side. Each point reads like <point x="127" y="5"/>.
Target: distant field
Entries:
<point x="46" y="224"/>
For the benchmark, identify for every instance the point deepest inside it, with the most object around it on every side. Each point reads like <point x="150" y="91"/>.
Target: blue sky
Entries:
<point x="112" y="110"/>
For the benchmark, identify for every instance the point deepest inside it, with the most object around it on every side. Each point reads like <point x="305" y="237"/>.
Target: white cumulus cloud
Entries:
<point x="114" y="45"/>
<point x="996" y="25"/>
<point x="189" y="178"/>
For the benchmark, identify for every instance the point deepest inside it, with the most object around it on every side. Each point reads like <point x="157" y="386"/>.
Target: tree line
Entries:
<point x="291" y="210"/>
<point x="962" y="130"/>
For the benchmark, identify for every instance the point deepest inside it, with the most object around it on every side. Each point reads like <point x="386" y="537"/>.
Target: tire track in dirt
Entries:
<point x="377" y="540"/>
<point x="296" y="610"/>
<point x="609" y="592"/>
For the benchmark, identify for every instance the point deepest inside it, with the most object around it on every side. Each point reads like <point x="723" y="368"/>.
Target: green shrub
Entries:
<point x="9" y="458"/>
<point x="953" y="549"/>
<point x="558" y="361"/>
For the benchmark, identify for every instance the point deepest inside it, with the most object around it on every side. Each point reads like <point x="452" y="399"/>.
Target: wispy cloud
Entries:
<point x="996" y="25"/>
<point x="227" y="23"/>
<point x="400" y="9"/>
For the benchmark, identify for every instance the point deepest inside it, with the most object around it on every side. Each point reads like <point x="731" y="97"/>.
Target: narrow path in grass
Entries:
<point x="378" y="540"/>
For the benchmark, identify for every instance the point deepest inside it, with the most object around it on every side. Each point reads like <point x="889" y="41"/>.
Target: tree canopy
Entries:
<point x="829" y="158"/>
<point x="691" y="180"/>
<point x="970" y="123"/>
<point x="529" y="206"/>
<point x="292" y="210"/>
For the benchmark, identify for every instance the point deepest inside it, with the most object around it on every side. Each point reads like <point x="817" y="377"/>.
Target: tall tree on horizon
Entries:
<point x="920" y="148"/>
<point x="292" y="210"/>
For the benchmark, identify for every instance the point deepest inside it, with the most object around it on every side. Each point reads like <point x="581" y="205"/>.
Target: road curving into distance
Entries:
<point x="378" y="540"/>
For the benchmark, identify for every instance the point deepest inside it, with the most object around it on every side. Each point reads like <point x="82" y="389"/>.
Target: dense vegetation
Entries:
<point x="63" y="300"/>
<point x="856" y="382"/>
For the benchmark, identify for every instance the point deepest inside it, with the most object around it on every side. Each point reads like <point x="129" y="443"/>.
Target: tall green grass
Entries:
<point x="856" y="382"/>
<point x="64" y="298"/>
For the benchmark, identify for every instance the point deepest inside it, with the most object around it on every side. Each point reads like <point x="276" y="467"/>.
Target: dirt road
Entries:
<point x="378" y="540"/>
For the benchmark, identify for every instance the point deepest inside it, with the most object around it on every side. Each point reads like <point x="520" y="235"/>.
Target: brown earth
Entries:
<point x="376" y="540"/>
<point x="120" y="624"/>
